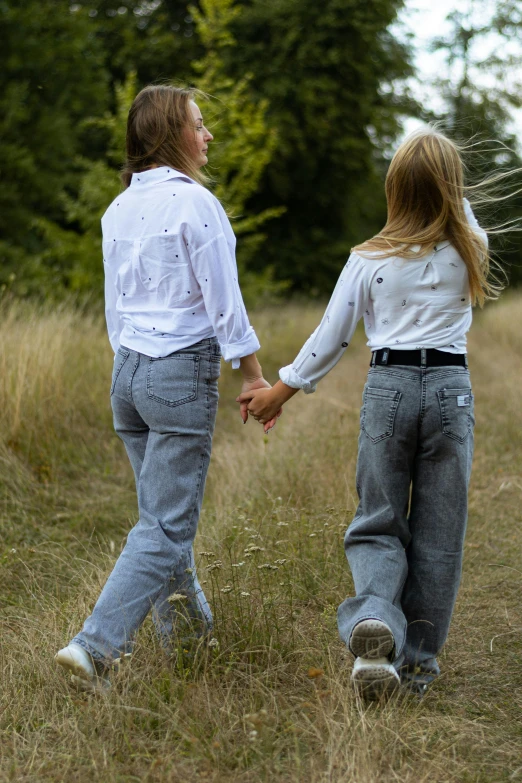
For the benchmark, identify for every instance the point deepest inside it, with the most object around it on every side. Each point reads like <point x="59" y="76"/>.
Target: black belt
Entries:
<point x="425" y="357"/>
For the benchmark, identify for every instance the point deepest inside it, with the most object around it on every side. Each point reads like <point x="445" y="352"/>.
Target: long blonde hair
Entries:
<point x="424" y="192"/>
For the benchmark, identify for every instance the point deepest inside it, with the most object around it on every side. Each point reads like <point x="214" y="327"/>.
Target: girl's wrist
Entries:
<point x="250" y="368"/>
<point x="282" y="393"/>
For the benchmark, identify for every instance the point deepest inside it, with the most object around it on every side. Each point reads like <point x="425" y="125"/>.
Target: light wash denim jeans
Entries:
<point x="405" y="543"/>
<point x="164" y="412"/>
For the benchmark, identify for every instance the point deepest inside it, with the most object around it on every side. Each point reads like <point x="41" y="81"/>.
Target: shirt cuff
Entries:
<point x="233" y="352"/>
<point x="289" y="376"/>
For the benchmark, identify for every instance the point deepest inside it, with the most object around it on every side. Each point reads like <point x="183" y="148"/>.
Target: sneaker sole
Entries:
<point x="375" y="682"/>
<point x="76" y="670"/>
<point x="371" y="639"/>
<point x="79" y="677"/>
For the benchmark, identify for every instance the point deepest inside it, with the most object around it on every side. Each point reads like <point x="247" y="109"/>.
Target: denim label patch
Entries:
<point x="462" y="400"/>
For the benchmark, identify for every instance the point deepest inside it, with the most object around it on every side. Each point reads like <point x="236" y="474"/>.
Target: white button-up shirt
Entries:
<point x="170" y="270"/>
<point x="406" y="304"/>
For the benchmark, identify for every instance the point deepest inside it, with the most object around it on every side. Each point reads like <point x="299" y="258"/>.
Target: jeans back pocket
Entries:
<point x="173" y="380"/>
<point x="456" y="411"/>
<point x="378" y="413"/>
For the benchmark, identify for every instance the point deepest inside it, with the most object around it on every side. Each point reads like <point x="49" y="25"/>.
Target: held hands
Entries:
<point x="264" y="403"/>
<point x="248" y="390"/>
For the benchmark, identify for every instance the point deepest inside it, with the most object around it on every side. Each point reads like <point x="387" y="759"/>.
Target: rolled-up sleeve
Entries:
<point x="326" y="345"/>
<point x="215" y="269"/>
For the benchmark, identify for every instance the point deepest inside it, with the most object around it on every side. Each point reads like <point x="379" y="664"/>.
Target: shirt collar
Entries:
<point x="441" y="245"/>
<point x="153" y="176"/>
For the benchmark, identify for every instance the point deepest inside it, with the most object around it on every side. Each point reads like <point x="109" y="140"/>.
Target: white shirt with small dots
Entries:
<point x="170" y="269"/>
<point x="405" y="304"/>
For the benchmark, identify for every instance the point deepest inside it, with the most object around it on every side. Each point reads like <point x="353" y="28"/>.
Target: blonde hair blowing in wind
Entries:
<point x="424" y="192"/>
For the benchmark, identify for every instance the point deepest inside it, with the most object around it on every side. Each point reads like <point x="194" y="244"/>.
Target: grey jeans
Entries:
<point x="164" y="412"/>
<point x="405" y="543"/>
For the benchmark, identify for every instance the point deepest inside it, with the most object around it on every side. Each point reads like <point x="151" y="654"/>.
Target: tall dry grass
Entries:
<point x="273" y="700"/>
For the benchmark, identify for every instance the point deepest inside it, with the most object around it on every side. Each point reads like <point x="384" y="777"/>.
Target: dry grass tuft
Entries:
<point x="272" y="700"/>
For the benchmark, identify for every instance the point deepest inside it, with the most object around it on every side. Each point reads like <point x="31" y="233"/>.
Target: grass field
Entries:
<point x="273" y="701"/>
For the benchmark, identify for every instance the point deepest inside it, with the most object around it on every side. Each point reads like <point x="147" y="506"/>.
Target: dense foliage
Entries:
<point x="305" y="106"/>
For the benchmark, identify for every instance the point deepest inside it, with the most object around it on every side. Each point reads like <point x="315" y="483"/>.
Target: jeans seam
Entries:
<point x="424" y="389"/>
<point x="390" y="372"/>
<point x="200" y="472"/>
<point x="124" y="357"/>
<point x="131" y="378"/>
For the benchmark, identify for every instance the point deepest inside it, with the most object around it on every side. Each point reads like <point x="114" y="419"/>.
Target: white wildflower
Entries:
<point x="238" y="565"/>
<point x="227" y="589"/>
<point x="244" y="594"/>
<point x="282" y="561"/>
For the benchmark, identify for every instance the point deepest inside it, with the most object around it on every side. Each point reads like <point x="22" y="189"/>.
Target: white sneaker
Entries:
<point x="85" y="673"/>
<point x="374" y="678"/>
<point x="371" y="639"/>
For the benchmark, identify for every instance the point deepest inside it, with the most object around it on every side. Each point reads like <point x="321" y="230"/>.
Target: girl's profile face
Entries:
<point x="199" y="136"/>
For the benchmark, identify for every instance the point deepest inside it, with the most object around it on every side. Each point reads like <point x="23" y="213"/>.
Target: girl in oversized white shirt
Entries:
<point x="173" y="307"/>
<point x="413" y="284"/>
<point x="170" y="271"/>
<point x="403" y="305"/>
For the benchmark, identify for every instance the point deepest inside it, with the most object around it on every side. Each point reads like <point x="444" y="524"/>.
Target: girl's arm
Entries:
<point x="112" y="318"/>
<point x="213" y="262"/>
<point x="210" y="244"/>
<point x="325" y="347"/>
<point x="473" y="222"/>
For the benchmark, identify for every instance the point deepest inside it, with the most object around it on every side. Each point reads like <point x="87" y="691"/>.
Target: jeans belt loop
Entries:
<point x="466" y="361"/>
<point x="374" y="355"/>
<point x="385" y="356"/>
<point x="423" y="357"/>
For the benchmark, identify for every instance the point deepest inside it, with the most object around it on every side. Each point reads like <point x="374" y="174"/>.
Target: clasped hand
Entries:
<point x="257" y="400"/>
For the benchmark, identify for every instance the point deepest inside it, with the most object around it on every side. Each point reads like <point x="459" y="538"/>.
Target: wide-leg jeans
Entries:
<point x="164" y="412"/>
<point x="405" y="543"/>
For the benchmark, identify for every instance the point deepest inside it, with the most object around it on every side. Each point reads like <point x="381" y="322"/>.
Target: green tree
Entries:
<point x="328" y="71"/>
<point x="245" y="142"/>
<point x="76" y="251"/>
<point x="483" y="53"/>
<point x="51" y="76"/>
